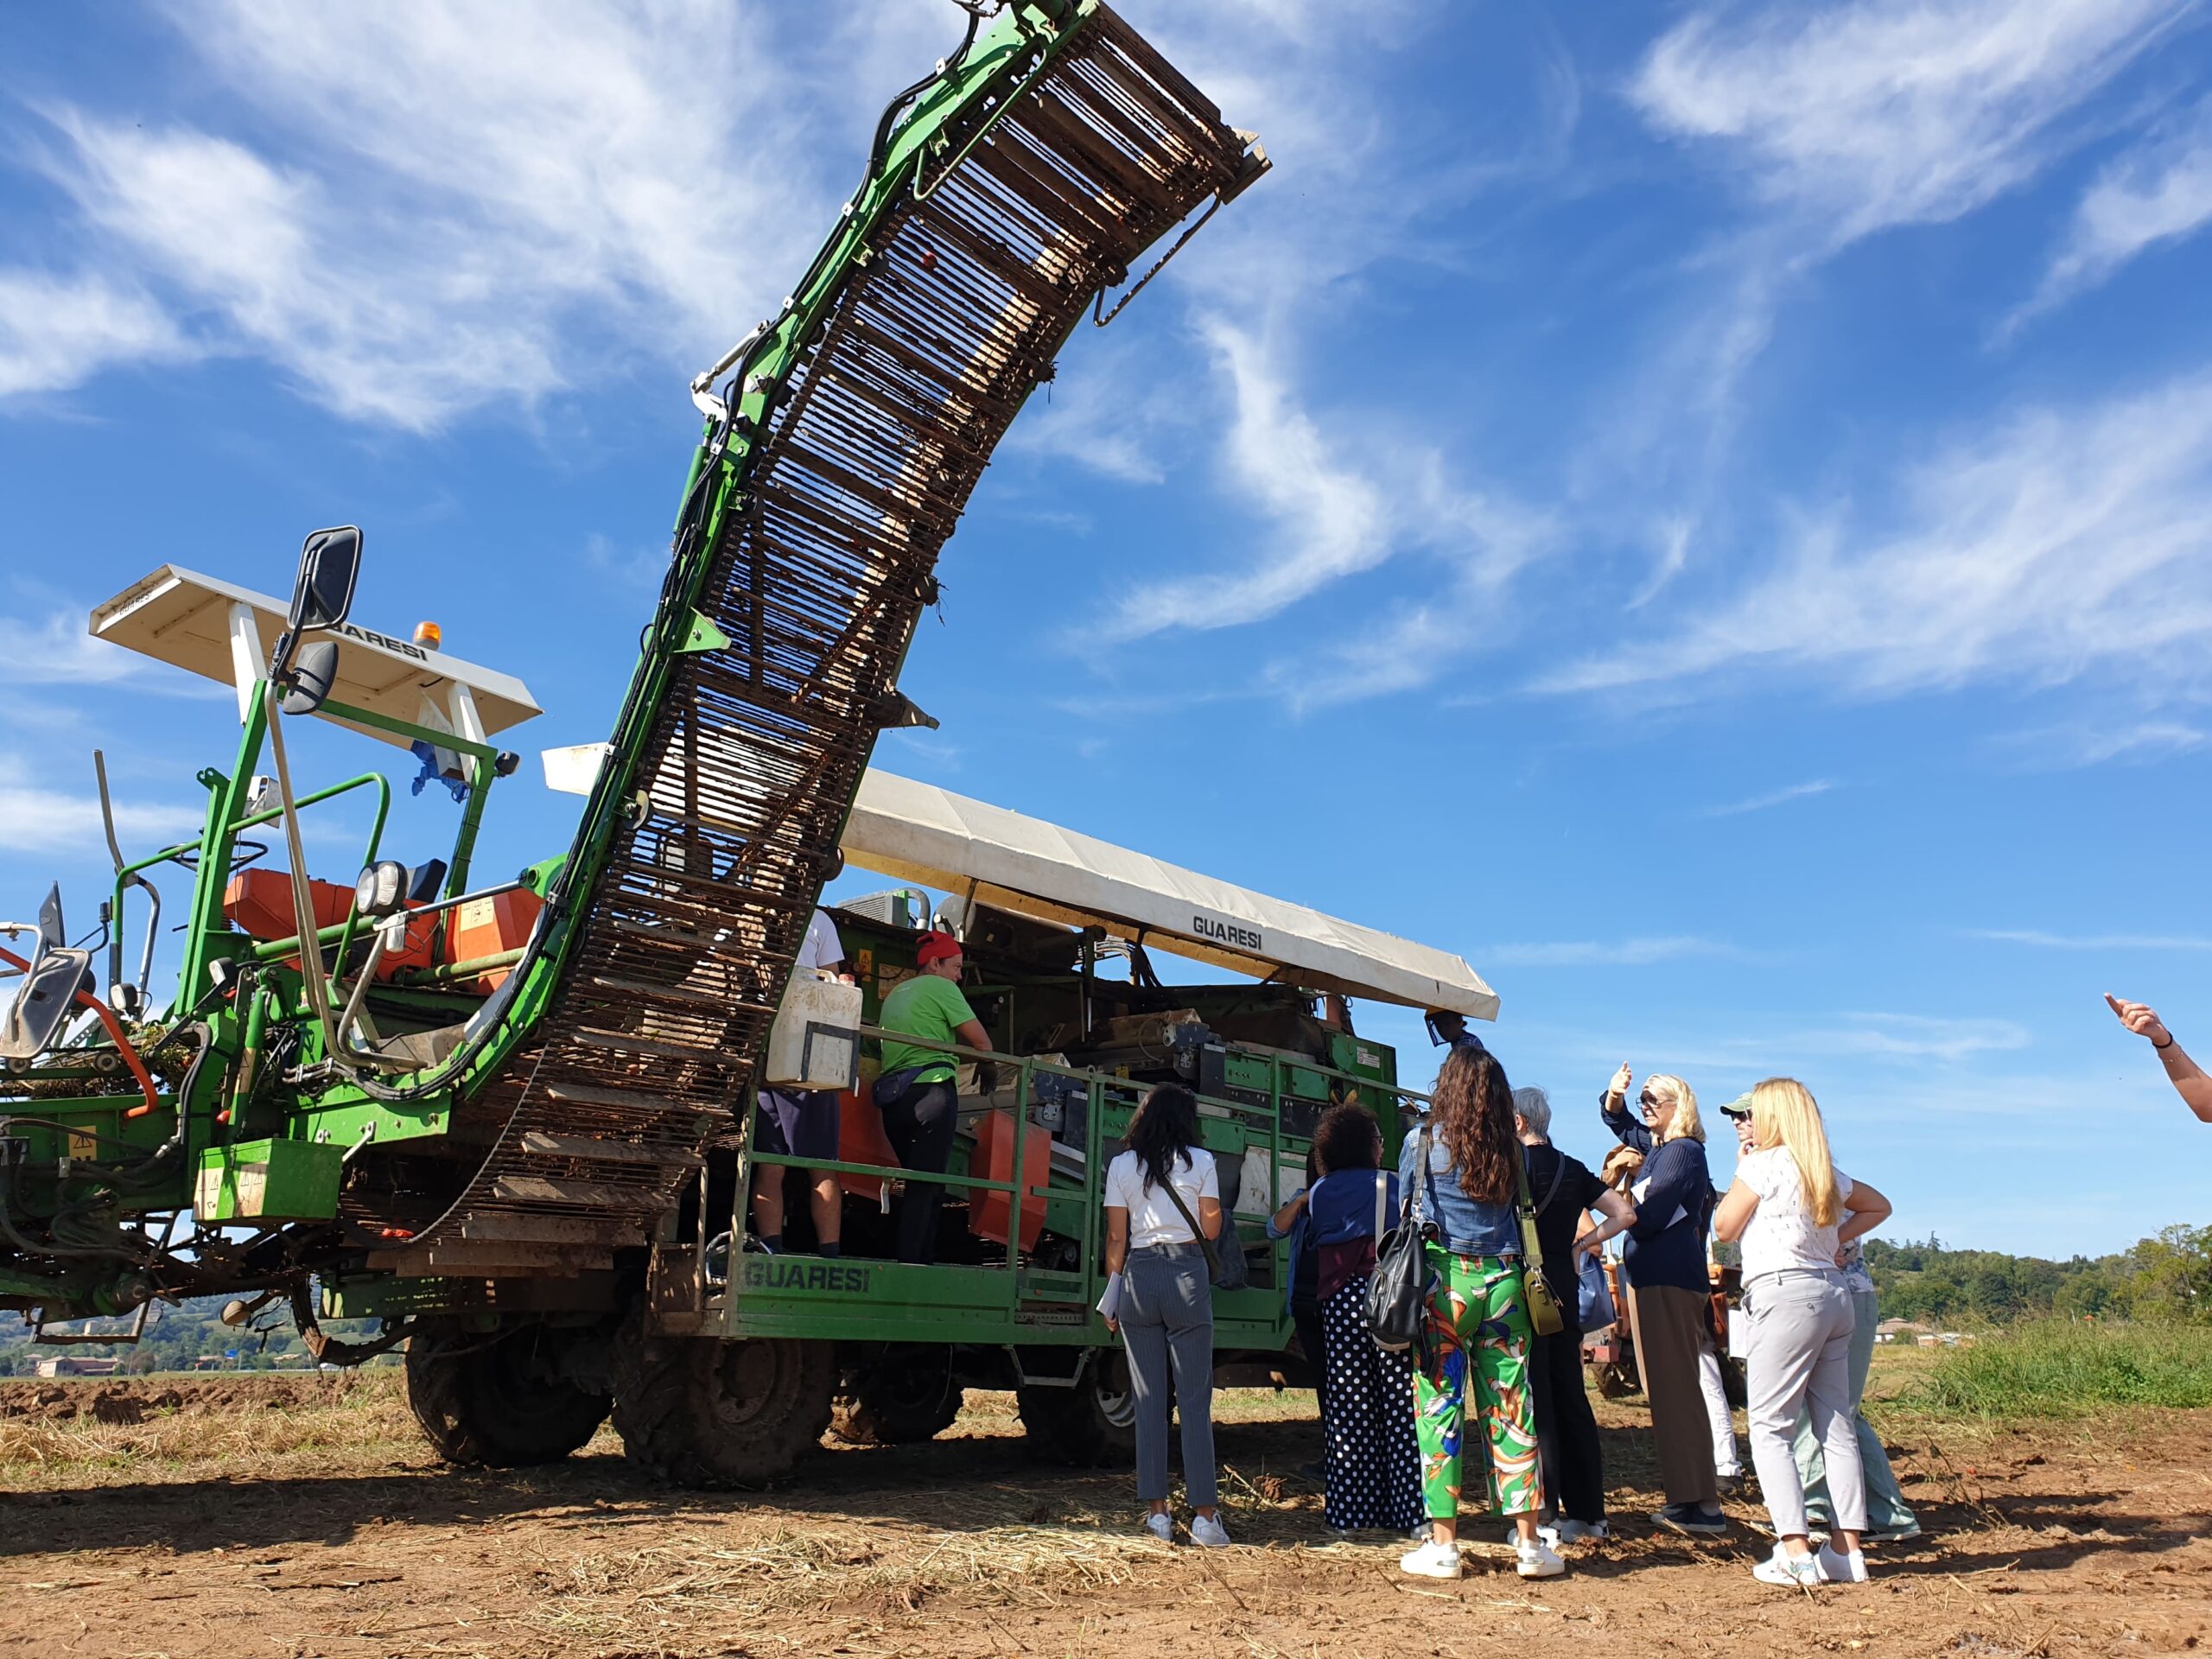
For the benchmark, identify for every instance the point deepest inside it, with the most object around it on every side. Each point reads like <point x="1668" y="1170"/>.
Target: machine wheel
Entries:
<point x="500" y="1398"/>
<point x="1092" y="1425"/>
<point x="1618" y="1380"/>
<point x="695" y="1412"/>
<point x="901" y="1400"/>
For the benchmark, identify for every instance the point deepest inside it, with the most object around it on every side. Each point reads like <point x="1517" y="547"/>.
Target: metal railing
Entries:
<point x="1098" y="1086"/>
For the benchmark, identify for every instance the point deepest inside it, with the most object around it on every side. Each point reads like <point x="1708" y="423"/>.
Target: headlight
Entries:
<point x="382" y="888"/>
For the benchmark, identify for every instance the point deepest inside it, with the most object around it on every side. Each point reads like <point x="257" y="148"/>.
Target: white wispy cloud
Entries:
<point x="418" y="219"/>
<point x="1909" y="1036"/>
<point x="2122" y="942"/>
<point x="2057" y="544"/>
<point x="55" y="331"/>
<point x="1885" y="112"/>
<point x="1772" y="797"/>
<point x="2158" y="192"/>
<point x="35" y="819"/>
<point x="1607" y="953"/>
<point x="2085" y="743"/>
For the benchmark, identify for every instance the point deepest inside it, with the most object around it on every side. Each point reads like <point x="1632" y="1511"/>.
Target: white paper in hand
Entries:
<point x="1109" y="1304"/>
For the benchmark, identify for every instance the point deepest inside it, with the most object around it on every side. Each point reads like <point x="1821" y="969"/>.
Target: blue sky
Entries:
<point x="1705" y="509"/>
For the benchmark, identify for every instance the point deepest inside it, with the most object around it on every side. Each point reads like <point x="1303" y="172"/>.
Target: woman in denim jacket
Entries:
<point x="1478" y="1333"/>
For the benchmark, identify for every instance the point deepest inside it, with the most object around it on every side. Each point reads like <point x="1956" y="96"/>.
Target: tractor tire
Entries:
<point x="899" y="1400"/>
<point x="699" y="1413"/>
<point x="1090" y="1426"/>
<point x="500" y="1399"/>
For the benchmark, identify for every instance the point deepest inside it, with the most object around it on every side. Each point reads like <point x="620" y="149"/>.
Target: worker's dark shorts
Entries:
<point x="799" y="1123"/>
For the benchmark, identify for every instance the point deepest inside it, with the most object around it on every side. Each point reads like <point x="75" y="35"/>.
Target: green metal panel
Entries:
<point x="269" y="1181"/>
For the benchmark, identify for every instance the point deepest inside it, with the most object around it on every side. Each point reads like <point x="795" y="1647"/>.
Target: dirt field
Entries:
<point x="300" y="1516"/>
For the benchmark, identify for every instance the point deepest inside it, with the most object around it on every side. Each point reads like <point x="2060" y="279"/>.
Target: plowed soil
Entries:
<point x="215" y="1525"/>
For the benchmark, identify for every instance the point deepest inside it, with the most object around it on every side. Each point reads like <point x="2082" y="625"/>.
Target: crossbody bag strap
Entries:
<point x="1382" y="1205"/>
<point x="1198" y="1233"/>
<point x="1530" y="1241"/>
<point x="1559" y="1174"/>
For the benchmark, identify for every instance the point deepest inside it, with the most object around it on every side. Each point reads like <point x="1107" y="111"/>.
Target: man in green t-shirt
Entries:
<point x="916" y="1091"/>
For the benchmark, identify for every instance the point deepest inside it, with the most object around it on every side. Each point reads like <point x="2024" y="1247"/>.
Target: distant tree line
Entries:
<point x="177" y="1337"/>
<point x="2163" y="1279"/>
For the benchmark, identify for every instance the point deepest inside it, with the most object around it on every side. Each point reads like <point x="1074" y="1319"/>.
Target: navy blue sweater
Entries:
<point x="1661" y="1250"/>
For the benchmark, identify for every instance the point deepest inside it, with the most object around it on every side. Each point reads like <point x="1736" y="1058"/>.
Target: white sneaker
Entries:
<point x="1160" y="1527"/>
<point x="1207" y="1533"/>
<point x="1577" y="1532"/>
<point x="1802" y="1571"/>
<point x="1432" y="1560"/>
<point x="1537" y="1560"/>
<point x="1836" y="1567"/>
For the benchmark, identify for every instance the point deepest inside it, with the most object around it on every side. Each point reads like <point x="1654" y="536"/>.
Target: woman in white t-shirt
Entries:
<point x="1795" y="1214"/>
<point x="1159" y="1196"/>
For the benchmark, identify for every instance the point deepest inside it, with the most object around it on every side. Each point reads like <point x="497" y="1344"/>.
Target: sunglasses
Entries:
<point x="1655" y="1102"/>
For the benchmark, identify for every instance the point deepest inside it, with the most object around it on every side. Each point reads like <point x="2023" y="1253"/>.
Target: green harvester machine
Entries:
<point x="510" y="1118"/>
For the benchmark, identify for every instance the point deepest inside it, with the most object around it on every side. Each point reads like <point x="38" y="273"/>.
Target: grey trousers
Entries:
<point x="1167" y="1325"/>
<point x="1886" y="1509"/>
<point x="1799" y="1364"/>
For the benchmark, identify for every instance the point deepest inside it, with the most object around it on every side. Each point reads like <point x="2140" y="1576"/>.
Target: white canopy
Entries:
<point x="209" y="626"/>
<point x="917" y="832"/>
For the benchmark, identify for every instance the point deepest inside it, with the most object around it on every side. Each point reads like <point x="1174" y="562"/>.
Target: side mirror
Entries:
<point x="315" y="670"/>
<point x="330" y="560"/>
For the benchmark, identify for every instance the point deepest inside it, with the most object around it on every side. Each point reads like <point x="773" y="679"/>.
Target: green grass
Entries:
<point x="2055" y="1369"/>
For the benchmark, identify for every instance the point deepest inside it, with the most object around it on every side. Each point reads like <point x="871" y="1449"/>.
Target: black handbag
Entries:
<point x="1225" y="1268"/>
<point x="1398" y="1289"/>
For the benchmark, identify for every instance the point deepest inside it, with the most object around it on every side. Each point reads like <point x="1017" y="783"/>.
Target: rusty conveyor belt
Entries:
<point x="966" y="293"/>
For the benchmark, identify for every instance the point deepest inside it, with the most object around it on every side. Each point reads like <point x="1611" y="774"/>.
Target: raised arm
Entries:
<point x="1613" y="1106"/>
<point x="2187" y="1076"/>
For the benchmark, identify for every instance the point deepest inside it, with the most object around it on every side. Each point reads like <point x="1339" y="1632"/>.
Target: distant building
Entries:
<point x="78" y="1365"/>
<point x="1903" y="1331"/>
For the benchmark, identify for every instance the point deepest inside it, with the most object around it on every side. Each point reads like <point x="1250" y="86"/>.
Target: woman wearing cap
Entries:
<point x="1794" y="1210"/>
<point x="1665" y="1258"/>
<point x="916" y="1091"/>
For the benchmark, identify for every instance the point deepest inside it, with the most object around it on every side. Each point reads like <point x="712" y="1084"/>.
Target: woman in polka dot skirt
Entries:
<point x="1367" y="1411"/>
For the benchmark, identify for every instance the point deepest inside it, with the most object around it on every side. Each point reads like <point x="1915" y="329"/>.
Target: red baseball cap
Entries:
<point x="935" y="947"/>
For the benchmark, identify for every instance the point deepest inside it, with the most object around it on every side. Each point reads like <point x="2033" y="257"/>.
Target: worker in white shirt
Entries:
<point x="802" y="1123"/>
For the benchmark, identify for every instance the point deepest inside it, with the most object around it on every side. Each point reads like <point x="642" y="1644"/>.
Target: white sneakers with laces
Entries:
<point x="1801" y="1572"/>
<point x="1162" y="1527"/>
<point x="1432" y="1560"/>
<point x="1836" y="1567"/>
<point x="1207" y="1533"/>
<point x="1537" y="1560"/>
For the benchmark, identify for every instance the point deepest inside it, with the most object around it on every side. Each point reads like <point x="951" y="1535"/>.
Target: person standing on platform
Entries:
<point x="801" y="1123"/>
<point x="917" y="1090"/>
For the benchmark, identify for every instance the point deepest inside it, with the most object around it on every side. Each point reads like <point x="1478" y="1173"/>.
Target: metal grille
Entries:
<point x="756" y="750"/>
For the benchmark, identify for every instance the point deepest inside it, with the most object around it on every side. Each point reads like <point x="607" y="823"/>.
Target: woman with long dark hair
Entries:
<point x="1478" y="1333"/>
<point x="1162" y="1196"/>
<point x="1373" y="1460"/>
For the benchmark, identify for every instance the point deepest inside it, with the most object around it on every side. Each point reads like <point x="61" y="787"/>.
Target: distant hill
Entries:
<point x="176" y="1337"/>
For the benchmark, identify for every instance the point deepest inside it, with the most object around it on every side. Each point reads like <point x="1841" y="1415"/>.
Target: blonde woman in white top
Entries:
<point x="1795" y="1213"/>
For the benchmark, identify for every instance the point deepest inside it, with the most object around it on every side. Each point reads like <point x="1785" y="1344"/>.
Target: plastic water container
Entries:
<point x="816" y="1041"/>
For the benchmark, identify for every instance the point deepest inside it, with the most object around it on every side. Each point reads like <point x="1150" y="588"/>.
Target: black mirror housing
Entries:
<point x="330" y="562"/>
<point x="314" y="671"/>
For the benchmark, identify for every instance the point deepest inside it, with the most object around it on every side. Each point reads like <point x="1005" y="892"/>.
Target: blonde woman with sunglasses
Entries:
<point x="1665" y="1260"/>
<point x="1796" y="1214"/>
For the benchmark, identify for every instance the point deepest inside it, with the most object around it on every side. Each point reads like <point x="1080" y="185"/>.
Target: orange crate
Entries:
<point x="994" y="1162"/>
<point x="487" y="927"/>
